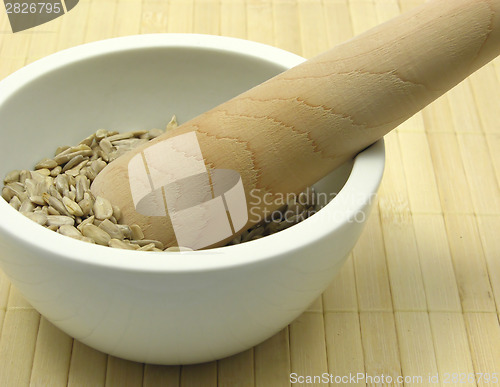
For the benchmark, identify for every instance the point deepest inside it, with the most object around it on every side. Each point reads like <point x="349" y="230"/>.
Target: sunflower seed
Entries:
<point x="70" y="231"/>
<point x="148" y="247"/>
<point x="121" y="245"/>
<point x="23" y="176"/>
<point x="46" y="163"/>
<point x="113" y="156"/>
<point x="100" y="134"/>
<point x="65" y="157"/>
<point x="137" y="233"/>
<point x="62" y="184"/>
<point x="71" y="194"/>
<point x="252" y="234"/>
<point x="56" y="171"/>
<point x="172" y="124"/>
<point x="88" y="240"/>
<point x="26" y="206"/>
<point x="100" y="236"/>
<point x="7" y="194"/>
<point x="30" y="187"/>
<point x="88" y="140"/>
<point x="52" y="211"/>
<point x="55" y="193"/>
<point x="17" y="188"/>
<point x="38" y="217"/>
<point x="144" y="242"/>
<point x="37" y="176"/>
<point x="76" y="169"/>
<point x="234" y="241"/>
<point x="106" y="145"/>
<point x="12" y="177"/>
<point x="41" y="188"/>
<point x="97" y="166"/>
<point x="61" y="149"/>
<point x="74" y="149"/>
<point x="14" y="190"/>
<point x="55" y="204"/>
<point x="153" y="133"/>
<point x="178" y="248"/>
<point x="89" y="220"/>
<point x="86" y="205"/>
<point x="71" y="180"/>
<point x="73" y="162"/>
<point x="88" y="173"/>
<point x="103" y="155"/>
<point x="15" y="202"/>
<point x="82" y="186"/>
<point x="111" y="228"/>
<point x="44" y="172"/>
<point x="102" y="208"/>
<point x="37" y="200"/>
<point x="117" y="213"/>
<point x="125" y="229"/>
<point x="126" y="135"/>
<point x="72" y="207"/>
<point x="59" y="220"/>
<point x="130" y="143"/>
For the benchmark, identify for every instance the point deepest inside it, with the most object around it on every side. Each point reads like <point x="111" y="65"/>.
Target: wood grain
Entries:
<point x="120" y="372"/>
<point x="343" y="345"/>
<point x="156" y="375"/>
<point x="199" y="375"/>
<point x="341" y="294"/>
<point x="484" y="338"/>
<point x="272" y="360"/>
<point x="237" y="370"/>
<point x="380" y="344"/>
<point x="52" y="356"/>
<point x="470" y="267"/>
<point x="372" y="277"/>
<point x="488" y="227"/>
<point x="451" y="346"/>
<point x="87" y="367"/>
<point x="307" y="346"/>
<point x="456" y="272"/>
<point x="436" y="264"/>
<point x="324" y="111"/>
<point x="418" y="359"/>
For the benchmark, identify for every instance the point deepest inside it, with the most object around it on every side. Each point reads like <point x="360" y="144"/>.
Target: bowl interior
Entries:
<point x="137" y="88"/>
<point x="127" y="89"/>
<point x="129" y="83"/>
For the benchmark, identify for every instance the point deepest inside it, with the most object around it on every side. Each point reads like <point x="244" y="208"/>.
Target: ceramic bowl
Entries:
<point x="165" y="308"/>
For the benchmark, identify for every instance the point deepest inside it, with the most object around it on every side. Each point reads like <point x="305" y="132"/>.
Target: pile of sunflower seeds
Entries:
<point x="56" y="195"/>
<point x="295" y="211"/>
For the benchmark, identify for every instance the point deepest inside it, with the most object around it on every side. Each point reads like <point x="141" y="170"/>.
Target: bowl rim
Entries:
<point x="364" y="179"/>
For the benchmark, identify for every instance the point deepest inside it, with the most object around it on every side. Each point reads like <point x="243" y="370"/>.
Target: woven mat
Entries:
<point x="420" y="294"/>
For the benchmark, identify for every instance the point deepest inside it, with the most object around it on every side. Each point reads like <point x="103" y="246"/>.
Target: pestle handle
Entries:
<point x="287" y="133"/>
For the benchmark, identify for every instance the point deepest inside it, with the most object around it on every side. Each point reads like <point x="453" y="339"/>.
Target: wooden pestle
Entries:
<point x="287" y="133"/>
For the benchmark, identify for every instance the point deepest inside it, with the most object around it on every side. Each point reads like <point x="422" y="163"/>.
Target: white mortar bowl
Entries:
<point x="166" y="308"/>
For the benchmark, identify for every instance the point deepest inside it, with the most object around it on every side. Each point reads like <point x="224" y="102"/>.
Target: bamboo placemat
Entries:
<point x="420" y="294"/>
